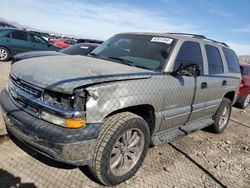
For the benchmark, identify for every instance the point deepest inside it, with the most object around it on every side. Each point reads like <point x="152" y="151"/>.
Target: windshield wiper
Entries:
<point x="94" y="55"/>
<point x="124" y="61"/>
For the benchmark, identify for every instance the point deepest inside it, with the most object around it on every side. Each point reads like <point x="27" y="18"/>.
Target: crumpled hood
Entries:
<point x="65" y="73"/>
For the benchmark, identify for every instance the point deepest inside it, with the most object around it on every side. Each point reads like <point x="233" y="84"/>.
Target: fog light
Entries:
<point x="69" y="123"/>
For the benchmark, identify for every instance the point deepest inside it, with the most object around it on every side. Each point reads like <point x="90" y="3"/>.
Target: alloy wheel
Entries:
<point x="247" y="100"/>
<point x="126" y="151"/>
<point x="224" y="117"/>
<point x="3" y="54"/>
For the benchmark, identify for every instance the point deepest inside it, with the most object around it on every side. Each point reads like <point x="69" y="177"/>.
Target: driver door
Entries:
<point x="181" y="90"/>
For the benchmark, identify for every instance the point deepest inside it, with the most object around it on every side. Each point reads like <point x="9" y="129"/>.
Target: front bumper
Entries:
<point x="72" y="146"/>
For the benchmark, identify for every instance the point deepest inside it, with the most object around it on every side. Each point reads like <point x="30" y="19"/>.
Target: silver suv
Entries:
<point x="134" y="90"/>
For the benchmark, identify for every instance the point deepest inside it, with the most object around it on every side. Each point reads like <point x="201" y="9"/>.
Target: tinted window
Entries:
<point x="20" y="35"/>
<point x="37" y="39"/>
<point x="245" y="70"/>
<point x="190" y="52"/>
<point x="78" y="49"/>
<point x="215" y="64"/>
<point x="232" y="60"/>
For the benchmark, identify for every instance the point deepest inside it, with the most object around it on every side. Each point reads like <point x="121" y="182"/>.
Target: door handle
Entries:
<point x="203" y="85"/>
<point x="7" y="40"/>
<point x="224" y="82"/>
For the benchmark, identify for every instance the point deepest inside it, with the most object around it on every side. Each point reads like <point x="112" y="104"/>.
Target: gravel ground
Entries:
<point x="201" y="159"/>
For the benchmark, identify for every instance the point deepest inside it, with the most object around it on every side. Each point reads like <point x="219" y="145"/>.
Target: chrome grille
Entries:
<point x="27" y="88"/>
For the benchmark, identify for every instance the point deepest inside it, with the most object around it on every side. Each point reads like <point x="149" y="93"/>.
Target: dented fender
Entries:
<point x="109" y="97"/>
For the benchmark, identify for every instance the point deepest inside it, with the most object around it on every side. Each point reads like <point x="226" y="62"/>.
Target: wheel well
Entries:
<point x="230" y="95"/>
<point x="146" y="111"/>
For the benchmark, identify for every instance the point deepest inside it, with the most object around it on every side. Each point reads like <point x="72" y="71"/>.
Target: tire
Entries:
<point x="110" y="151"/>
<point x="4" y="54"/>
<point x="222" y="116"/>
<point x="245" y="102"/>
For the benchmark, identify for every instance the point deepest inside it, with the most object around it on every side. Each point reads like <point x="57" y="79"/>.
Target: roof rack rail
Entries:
<point x="189" y="34"/>
<point x="223" y="43"/>
<point x="199" y="36"/>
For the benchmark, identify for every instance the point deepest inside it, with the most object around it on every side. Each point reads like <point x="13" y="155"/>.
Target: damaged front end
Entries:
<point x="66" y="110"/>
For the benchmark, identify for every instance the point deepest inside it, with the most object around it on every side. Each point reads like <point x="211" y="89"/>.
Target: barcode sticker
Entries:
<point x="162" y="39"/>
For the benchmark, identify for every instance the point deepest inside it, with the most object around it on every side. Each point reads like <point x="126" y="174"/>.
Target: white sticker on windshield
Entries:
<point x="84" y="47"/>
<point x="162" y="39"/>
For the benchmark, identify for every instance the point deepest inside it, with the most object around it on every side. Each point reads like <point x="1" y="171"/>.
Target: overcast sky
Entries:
<point x="223" y="20"/>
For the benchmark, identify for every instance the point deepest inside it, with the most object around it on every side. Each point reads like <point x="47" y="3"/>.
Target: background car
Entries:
<point x="65" y="43"/>
<point x="6" y="25"/>
<point x="89" y="41"/>
<point x="244" y="92"/>
<point x="13" y="41"/>
<point x="44" y="35"/>
<point x="77" y="49"/>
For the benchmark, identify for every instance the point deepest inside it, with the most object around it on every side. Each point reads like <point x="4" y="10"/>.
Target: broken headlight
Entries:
<point x="60" y="100"/>
<point x="74" y="102"/>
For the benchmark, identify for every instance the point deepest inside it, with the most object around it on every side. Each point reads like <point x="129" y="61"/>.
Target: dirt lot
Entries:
<point x="201" y="159"/>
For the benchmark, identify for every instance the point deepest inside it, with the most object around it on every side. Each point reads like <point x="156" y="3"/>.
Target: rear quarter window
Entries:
<point x="232" y="60"/>
<point x="215" y="64"/>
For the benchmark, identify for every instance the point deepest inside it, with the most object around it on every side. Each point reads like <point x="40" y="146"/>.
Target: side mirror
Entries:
<point x="188" y="70"/>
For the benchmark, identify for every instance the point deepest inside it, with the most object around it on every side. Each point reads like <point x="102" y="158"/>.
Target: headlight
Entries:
<point x="69" y="123"/>
<point x="60" y="100"/>
<point x="64" y="101"/>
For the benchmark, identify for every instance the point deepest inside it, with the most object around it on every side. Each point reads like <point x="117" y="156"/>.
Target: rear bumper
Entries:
<point x="72" y="146"/>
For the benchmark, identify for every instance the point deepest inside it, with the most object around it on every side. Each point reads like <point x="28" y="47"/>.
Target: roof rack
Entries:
<point x="200" y="37"/>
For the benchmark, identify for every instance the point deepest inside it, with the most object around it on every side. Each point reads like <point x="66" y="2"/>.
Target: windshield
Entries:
<point x="145" y="51"/>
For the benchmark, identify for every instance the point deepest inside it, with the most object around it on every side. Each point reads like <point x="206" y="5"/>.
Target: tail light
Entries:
<point x="243" y="82"/>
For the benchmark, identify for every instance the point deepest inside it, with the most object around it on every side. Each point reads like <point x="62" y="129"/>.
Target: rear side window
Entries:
<point x="20" y="35"/>
<point x="215" y="64"/>
<point x="232" y="60"/>
<point x="190" y="52"/>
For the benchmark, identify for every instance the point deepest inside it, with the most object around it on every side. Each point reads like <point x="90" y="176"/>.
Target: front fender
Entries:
<point x="107" y="98"/>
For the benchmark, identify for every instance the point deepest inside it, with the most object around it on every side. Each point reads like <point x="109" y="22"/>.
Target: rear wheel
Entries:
<point x="222" y="116"/>
<point x="121" y="148"/>
<point x="4" y="54"/>
<point x="245" y="102"/>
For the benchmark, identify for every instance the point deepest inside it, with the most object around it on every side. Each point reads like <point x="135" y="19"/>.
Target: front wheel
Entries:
<point x="222" y="116"/>
<point x="121" y="148"/>
<point x="4" y="54"/>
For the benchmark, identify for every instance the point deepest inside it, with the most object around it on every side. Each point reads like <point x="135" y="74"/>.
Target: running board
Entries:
<point x="197" y="125"/>
<point x="169" y="136"/>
